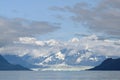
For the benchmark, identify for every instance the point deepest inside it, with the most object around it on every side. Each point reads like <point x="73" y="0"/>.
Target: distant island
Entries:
<point x="5" y="65"/>
<point x="108" y="64"/>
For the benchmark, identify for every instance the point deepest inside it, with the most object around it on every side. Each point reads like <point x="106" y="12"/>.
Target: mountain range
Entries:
<point x="86" y="51"/>
<point x="83" y="57"/>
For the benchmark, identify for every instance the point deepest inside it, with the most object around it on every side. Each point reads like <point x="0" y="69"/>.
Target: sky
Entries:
<point x="60" y="20"/>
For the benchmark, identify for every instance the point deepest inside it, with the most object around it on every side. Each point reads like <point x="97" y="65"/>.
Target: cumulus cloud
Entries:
<point x="32" y="41"/>
<point x="102" y="17"/>
<point x="12" y="29"/>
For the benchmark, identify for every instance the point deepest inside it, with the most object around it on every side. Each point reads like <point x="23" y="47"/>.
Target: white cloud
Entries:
<point x="74" y="40"/>
<point x="52" y="42"/>
<point x="29" y="40"/>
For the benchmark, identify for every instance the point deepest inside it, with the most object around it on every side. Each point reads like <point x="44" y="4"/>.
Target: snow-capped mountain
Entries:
<point x="82" y="58"/>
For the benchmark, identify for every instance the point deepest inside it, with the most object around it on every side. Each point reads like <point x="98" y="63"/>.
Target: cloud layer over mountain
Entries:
<point x="37" y="48"/>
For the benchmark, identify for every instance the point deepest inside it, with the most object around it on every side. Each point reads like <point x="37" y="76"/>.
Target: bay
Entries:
<point x="59" y="75"/>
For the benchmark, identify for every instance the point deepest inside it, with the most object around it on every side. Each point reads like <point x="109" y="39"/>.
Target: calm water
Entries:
<point x="63" y="75"/>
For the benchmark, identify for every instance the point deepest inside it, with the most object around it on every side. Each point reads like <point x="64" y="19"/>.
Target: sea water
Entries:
<point x="59" y="75"/>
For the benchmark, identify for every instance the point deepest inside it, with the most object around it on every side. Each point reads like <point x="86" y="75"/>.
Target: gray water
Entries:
<point x="60" y="75"/>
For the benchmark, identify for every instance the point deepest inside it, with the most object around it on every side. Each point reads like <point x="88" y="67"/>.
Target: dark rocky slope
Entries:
<point x="5" y="65"/>
<point x="108" y="64"/>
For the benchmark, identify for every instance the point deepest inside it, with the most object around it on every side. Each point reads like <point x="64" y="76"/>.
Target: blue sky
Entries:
<point x="39" y="10"/>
